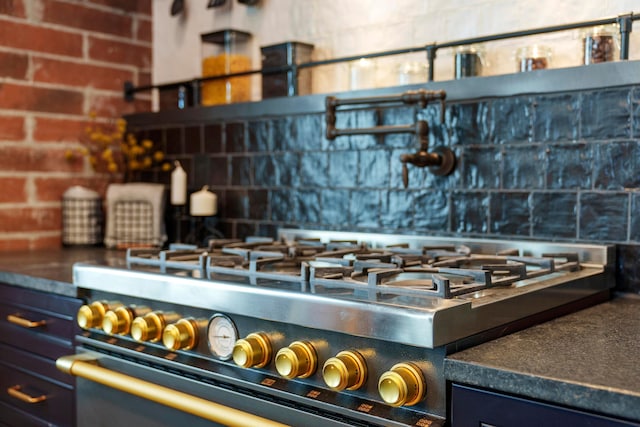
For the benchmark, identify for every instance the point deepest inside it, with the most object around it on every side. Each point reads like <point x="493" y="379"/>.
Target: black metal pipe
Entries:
<point x="377" y="130"/>
<point x="626" y="26"/>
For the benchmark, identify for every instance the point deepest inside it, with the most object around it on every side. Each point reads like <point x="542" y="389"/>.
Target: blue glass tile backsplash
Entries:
<point x="558" y="166"/>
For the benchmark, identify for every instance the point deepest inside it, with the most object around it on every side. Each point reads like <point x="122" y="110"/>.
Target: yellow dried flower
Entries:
<point x="112" y="167"/>
<point x="158" y="156"/>
<point x="147" y="162"/>
<point x="147" y="144"/>
<point x="107" y="154"/>
<point x="68" y="154"/>
<point x="166" y="167"/>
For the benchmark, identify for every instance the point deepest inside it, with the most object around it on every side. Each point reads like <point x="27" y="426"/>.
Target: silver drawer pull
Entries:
<point x="25" y="323"/>
<point x="15" y="392"/>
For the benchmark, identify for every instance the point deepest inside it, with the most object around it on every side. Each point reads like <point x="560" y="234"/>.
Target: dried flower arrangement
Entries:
<point x="109" y="148"/>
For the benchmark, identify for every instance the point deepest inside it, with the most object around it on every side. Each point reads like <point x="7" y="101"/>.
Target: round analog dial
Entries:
<point x="221" y="336"/>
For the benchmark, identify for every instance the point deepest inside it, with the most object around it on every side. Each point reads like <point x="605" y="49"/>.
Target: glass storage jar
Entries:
<point x="468" y="61"/>
<point x="412" y="72"/>
<point x="225" y="52"/>
<point x="535" y="57"/>
<point x="601" y="44"/>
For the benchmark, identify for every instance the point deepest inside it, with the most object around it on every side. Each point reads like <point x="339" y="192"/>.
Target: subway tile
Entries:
<point x="553" y="214"/>
<point x="395" y="117"/>
<point x="308" y="132"/>
<point x="481" y="167"/>
<point x="569" y="166"/>
<point x="509" y="213"/>
<point x="287" y="169"/>
<point x="634" y="225"/>
<point x="241" y="170"/>
<point x="245" y="229"/>
<point x="265" y="171"/>
<point x="283" y="133"/>
<point x="469" y="212"/>
<point x="258" y="204"/>
<point x="174" y="140"/>
<point x="556" y="117"/>
<point x="396" y="209"/>
<point x="237" y="204"/>
<point x="421" y="177"/>
<point x="356" y="119"/>
<point x="606" y="114"/>
<point x="617" y="165"/>
<point x="524" y="167"/>
<point x="511" y="120"/>
<point x="365" y="208"/>
<point x="374" y="169"/>
<point x="343" y="169"/>
<point x="267" y="230"/>
<point x="314" y="169"/>
<point x="468" y="123"/>
<point x="335" y="207"/>
<point x="193" y="140"/>
<point x="219" y="171"/>
<point x="603" y="216"/>
<point x="284" y="205"/>
<point x="431" y="210"/>
<point x="235" y="137"/>
<point x="259" y="136"/>
<point x="213" y="138"/>
<point x="627" y="268"/>
<point x="309" y="206"/>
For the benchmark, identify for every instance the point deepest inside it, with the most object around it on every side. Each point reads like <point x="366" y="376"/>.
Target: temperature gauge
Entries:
<point x="222" y="336"/>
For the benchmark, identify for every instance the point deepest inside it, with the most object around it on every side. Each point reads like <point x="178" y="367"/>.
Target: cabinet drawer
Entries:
<point x="34" y="364"/>
<point x="12" y="417"/>
<point x="42" y="301"/>
<point x="58" y="404"/>
<point x="42" y="340"/>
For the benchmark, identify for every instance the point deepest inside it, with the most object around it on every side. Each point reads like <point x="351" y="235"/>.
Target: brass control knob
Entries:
<point x="118" y="321"/>
<point x="150" y="326"/>
<point x="182" y="335"/>
<point x="404" y="384"/>
<point x="90" y="316"/>
<point x="299" y="360"/>
<point x="254" y="351"/>
<point x="347" y="370"/>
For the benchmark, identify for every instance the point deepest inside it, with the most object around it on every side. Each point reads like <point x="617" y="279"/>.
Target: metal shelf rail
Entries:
<point x="624" y="21"/>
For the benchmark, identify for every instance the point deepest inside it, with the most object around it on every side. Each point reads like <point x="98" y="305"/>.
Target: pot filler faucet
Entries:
<point x="441" y="161"/>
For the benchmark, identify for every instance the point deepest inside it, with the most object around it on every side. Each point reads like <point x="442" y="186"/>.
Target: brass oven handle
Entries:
<point x="15" y="392"/>
<point x="25" y="323"/>
<point x="84" y="366"/>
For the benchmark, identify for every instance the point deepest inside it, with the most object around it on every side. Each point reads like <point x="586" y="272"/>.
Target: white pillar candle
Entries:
<point x="203" y="203"/>
<point x="178" y="185"/>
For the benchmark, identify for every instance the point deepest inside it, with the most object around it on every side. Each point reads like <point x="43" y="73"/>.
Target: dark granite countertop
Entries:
<point x="589" y="360"/>
<point x="51" y="270"/>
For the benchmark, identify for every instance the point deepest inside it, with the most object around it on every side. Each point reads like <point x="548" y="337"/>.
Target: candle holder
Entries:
<point x="179" y="216"/>
<point x="203" y="228"/>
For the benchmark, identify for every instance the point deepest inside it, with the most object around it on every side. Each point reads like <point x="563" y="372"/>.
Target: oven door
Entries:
<point x="114" y="391"/>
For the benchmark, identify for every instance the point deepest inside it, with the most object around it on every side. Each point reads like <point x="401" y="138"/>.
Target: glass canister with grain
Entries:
<point x="225" y="52"/>
<point x="531" y="58"/>
<point x="601" y="44"/>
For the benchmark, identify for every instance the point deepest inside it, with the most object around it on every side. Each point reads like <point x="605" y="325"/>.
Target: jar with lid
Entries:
<point x="468" y="61"/>
<point x="362" y="74"/>
<point x="601" y="44"/>
<point x="225" y="52"/>
<point x="535" y="57"/>
<point x="412" y="72"/>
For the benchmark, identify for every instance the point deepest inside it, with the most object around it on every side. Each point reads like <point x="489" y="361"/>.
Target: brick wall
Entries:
<point x="59" y="60"/>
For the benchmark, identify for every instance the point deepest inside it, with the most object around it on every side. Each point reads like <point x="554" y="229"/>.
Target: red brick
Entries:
<point x="12" y="8"/>
<point x="51" y="189"/>
<point x="119" y="52"/>
<point x="13" y="190"/>
<point x="59" y="130"/>
<point x="86" y="18"/>
<point x="20" y="97"/>
<point x="25" y="159"/>
<point x="30" y="37"/>
<point x="46" y="242"/>
<point x="13" y="244"/>
<point x="114" y="106"/>
<point x="29" y="219"/>
<point x="11" y="128"/>
<point x="13" y="65"/>
<point x="75" y="74"/>
<point x="138" y="6"/>
<point x="144" y="31"/>
<point x="144" y="79"/>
